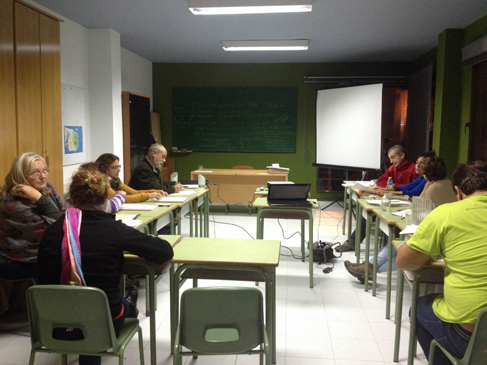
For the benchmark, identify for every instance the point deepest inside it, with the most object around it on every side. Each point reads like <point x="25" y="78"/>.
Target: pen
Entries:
<point x="163" y="205"/>
<point x="136" y="216"/>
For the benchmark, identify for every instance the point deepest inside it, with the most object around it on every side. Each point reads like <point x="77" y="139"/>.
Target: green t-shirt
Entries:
<point x="458" y="232"/>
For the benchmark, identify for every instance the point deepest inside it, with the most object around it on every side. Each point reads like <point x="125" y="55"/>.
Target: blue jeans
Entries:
<point x="451" y="336"/>
<point x="382" y="259"/>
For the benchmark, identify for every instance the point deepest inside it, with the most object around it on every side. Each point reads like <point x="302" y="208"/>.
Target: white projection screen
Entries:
<point x="348" y="127"/>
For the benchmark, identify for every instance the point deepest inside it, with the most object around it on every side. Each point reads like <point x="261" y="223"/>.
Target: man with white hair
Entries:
<point x="147" y="175"/>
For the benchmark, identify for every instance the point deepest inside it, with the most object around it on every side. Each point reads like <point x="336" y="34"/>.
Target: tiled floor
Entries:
<point x="335" y="323"/>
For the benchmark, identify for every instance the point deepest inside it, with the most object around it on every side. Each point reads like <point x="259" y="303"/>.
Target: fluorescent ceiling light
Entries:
<point x="280" y="45"/>
<point x="213" y="7"/>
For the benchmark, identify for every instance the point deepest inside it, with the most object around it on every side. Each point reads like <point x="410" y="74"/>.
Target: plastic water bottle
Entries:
<point x="389" y="183"/>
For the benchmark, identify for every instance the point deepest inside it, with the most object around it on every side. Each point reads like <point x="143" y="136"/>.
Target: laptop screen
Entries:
<point x="288" y="191"/>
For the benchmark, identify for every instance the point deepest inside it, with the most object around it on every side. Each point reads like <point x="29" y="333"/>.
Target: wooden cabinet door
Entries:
<point x="8" y="122"/>
<point x="28" y="74"/>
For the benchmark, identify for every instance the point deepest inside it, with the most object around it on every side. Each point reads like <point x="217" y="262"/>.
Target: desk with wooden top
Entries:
<point x="264" y="210"/>
<point x="233" y="186"/>
<point x="147" y="267"/>
<point x="261" y="256"/>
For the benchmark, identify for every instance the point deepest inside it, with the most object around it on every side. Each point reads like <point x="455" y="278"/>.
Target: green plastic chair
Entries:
<point x="476" y="353"/>
<point x="78" y="307"/>
<point x="221" y="320"/>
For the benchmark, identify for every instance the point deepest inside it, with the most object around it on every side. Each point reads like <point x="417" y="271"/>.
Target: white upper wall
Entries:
<point x="140" y="81"/>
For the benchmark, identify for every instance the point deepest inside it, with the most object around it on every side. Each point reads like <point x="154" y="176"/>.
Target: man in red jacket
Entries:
<point x="402" y="172"/>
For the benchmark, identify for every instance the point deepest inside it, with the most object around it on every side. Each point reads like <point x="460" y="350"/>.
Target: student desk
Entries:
<point x="264" y="210"/>
<point x="152" y="218"/>
<point x="196" y="202"/>
<point x="201" y="206"/>
<point x="385" y="222"/>
<point x="147" y="267"/>
<point x="432" y="272"/>
<point x="233" y="186"/>
<point x="364" y="210"/>
<point x="347" y="205"/>
<point x="260" y="256"/>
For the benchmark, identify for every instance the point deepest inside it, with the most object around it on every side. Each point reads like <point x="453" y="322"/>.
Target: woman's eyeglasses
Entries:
<point x="116" y="167"/>
<point x="44" y="172"/>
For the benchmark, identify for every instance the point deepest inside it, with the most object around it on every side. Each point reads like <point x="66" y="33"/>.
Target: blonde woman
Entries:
<point x="28" y="204"/>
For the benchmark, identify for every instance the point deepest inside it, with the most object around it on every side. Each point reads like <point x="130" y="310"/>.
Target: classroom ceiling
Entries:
<point x="338" y="30"/>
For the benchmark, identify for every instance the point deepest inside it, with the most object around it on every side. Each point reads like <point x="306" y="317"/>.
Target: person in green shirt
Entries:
<point x="456" y="232"/>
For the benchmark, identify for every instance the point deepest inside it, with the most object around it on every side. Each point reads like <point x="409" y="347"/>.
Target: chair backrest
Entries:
<point x="243" y="167"/>
<point x="74" y="307"/>
<point x="217" y="320"/>
<point x="174" y="176"/>
<point x="478" y="343"/>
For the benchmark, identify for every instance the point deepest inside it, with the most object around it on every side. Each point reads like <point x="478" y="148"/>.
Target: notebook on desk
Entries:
<point x="288" y="195"/>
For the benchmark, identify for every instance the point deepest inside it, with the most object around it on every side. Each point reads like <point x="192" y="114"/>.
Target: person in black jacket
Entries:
<point x="147" y="174"/>
<point x="103" y="241"/>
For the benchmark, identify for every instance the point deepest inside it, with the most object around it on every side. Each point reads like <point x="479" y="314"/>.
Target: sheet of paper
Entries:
<point x="138" y="207"/>
<point x="191" y="186"/>
<point x="393" y="202"/>
<point x="400" y="202"/>
<point x="402" y="213"/>
<point x="409" y="229"/>
<point x="127" y="217"/>
<point x="185" y="192"/>
<point x="363" y="185"/>
<point x="131" y="222"/>
<point x="169" y="199"/>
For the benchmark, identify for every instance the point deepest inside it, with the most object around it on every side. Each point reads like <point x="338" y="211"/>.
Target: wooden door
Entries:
<point x="8" y="122"/>
<point x="28" y="75"/>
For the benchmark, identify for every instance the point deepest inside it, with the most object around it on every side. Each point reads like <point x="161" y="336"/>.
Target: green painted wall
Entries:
<point x="448" y="97"/>
<point x="168" y="76"/>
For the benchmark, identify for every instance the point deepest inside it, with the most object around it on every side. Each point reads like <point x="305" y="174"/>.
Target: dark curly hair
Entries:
<point x="471" y="177"/>
<point x="89" y="186"/>
<point x="433" y="168"/>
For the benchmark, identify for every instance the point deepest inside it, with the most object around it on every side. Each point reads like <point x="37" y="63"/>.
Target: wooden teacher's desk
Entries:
<point x="233" y="186"/>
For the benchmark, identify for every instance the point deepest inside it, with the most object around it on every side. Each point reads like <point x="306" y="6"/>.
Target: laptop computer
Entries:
<point x="288" y="195"/>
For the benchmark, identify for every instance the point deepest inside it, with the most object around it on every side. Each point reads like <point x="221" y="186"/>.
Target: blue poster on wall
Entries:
<point x="73" y="139"/>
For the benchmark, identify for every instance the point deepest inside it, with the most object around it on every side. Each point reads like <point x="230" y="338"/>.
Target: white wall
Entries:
<point x="105" y="80"/>
<point x="92" y="59"/>
<point x="136" y="74"/>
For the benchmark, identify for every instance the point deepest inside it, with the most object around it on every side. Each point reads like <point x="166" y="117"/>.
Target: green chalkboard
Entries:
<point x="235" y="119"/>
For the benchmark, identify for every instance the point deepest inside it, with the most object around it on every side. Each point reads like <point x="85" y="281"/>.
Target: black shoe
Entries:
<point x="132" y="295"/>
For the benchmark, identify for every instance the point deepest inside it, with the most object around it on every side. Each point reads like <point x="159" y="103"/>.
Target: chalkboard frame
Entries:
<point x="257" y="120"/>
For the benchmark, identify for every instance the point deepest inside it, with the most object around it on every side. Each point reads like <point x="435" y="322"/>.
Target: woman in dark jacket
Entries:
<point x="101" y="243"/>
